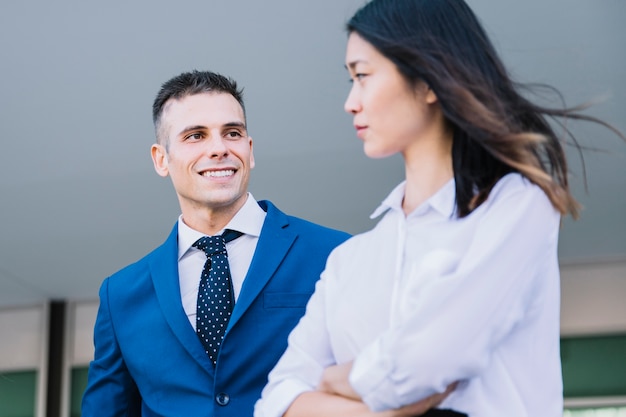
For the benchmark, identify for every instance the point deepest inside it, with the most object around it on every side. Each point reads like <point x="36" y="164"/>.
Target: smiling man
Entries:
<point x="193" y="328"/>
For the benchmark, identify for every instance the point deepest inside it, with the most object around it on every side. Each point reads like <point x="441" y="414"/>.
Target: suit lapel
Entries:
<point x="164" y="270"/>
<point x="274" y="243"/>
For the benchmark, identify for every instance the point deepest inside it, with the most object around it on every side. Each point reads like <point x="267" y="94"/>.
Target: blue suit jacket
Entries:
<point x="148" y="359"/>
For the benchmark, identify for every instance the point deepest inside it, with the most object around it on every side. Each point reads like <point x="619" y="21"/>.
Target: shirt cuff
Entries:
<point x="369" y="377"/>
<point x="276" y="403"/>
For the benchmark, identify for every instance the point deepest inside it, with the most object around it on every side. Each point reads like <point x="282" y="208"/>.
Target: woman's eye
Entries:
<point x="358" y="76"/>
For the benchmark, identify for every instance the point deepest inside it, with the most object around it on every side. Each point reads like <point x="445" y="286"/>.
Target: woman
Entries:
<point x="457" y="287"/>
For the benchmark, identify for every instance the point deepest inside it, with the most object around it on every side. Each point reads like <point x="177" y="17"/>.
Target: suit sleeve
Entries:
<point x="111" y="390"/>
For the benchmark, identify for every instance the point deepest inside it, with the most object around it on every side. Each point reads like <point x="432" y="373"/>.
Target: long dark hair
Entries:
<point x="496" y="130"/>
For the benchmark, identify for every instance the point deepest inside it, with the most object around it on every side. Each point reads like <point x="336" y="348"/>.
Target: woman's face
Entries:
<point x="390" y="115"/>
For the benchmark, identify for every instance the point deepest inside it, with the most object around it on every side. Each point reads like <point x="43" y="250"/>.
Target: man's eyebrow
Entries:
<point x="235" y="124"/>
<point x="191" y="128"/>
<point x="188" y="129"/>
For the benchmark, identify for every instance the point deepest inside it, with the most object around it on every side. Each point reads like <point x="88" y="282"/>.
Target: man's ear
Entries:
<point x="252" y="163"/>
<point x="159" y="159"/>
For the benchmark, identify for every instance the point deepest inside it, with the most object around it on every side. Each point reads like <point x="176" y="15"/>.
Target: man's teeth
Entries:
<point x="224" y="173"/>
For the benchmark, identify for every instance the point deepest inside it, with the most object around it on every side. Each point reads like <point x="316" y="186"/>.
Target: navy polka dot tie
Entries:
<point x="215" y="293"/>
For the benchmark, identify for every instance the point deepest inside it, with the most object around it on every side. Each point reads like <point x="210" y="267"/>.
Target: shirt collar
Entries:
<point x="248" y="220"/>
<point x="443" y="201"/>
<point x="392" y="201"/>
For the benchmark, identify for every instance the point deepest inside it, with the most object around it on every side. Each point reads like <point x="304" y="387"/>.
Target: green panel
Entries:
<point x="596" y="412"/>
<point x="79" y="383"/>
<point x="594" y="366"/>
<point x="17" y="393"/>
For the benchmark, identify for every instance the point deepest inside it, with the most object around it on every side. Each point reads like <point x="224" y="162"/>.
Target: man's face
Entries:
<point x="206" y="150"/>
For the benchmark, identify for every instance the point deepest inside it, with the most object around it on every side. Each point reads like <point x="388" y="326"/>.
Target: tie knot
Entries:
<point x="212" y="245"/>
<point x="229" y="235"/>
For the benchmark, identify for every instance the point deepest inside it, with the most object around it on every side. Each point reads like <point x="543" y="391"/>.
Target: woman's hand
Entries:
<point x="323" y="404"/>
<point x="335" y="380"/>
<point x="420" y="407"/>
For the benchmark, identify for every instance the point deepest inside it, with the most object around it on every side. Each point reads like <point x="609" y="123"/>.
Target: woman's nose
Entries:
<point x="352" y="104"/>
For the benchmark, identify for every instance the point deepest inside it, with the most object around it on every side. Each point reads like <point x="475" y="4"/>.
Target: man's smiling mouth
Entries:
<point x="217" y="174"/>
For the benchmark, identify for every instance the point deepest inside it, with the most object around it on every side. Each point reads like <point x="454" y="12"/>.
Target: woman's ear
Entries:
<point x="427" y="93"/>
<point x="431" y="97"/>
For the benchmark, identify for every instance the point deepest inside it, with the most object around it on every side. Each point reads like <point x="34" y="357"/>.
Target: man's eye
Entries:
<point x="194" y="136"/>
<point x="234" y="134"/>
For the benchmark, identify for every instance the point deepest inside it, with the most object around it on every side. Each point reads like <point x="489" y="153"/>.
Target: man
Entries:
<point x="149" y="358"/>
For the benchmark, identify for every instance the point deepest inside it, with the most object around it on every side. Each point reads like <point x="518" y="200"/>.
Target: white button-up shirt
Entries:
<point x="427" y="299"/>
<point x="248" y="220"/>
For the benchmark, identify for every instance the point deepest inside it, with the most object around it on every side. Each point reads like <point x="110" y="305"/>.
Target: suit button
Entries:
<point x="222" y="398"/>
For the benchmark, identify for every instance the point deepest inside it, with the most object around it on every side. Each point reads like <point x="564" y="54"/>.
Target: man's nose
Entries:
<point x="216" y="147"/>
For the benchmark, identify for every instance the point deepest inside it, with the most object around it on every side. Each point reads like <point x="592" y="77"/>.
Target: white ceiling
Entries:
<point x="79" y="198"/>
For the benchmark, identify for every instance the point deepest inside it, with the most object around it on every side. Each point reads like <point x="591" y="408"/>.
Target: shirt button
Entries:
<point x="222" y="398"/>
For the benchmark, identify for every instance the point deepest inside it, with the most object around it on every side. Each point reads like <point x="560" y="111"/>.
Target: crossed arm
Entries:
<point x="336" y="397"/>
<point x="499" y="272"/>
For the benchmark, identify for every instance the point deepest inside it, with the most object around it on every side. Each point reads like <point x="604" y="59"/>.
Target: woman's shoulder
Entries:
<point x="380" y="233"/>
<point x="517" y="193"/>
<point x="516" y="185"/>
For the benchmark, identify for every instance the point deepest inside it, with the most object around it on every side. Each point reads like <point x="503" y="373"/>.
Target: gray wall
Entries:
<point x="79" y="198"/>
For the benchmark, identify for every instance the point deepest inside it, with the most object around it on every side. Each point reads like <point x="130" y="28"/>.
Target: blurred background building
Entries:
<point x="79" y="198"/>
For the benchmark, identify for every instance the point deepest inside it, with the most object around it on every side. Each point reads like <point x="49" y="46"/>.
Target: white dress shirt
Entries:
<point x="248" y="220"/>
<point x="427" y="299"/>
